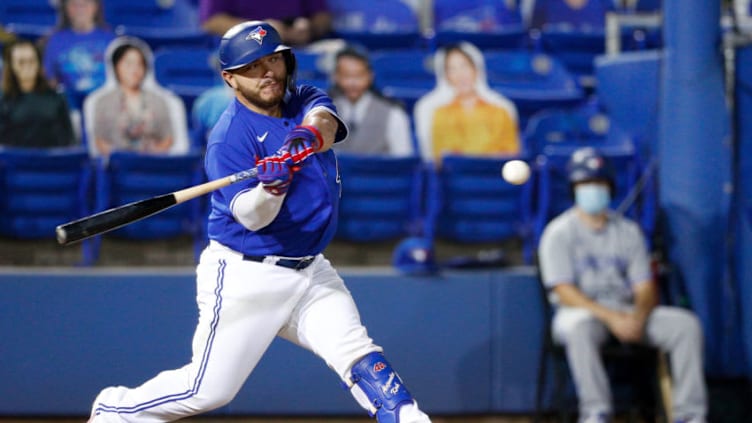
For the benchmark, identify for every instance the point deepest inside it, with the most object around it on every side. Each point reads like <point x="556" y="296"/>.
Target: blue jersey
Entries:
<point x="77" y="61"/>
<point x="307" y="220"/>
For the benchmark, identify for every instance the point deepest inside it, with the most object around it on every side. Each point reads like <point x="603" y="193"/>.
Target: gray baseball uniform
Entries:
<point x="606" y="265"/>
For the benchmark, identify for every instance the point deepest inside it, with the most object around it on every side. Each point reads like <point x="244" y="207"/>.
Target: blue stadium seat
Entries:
<point x="312" y="68"/>
<point x="381" y="197"/>
<point x="187" y="72"/>
<point x="575" y="37"/>
<point x="159" y="23"/>
<point x="28" y="18"/>
<point x="129" y="177"/>
<point x="405" y="75"/>
<point x="488" y="24"/>
<point x="553" y="191"/>
<point x="649" y="6"/>
<point x="575" y="49"/>
<point x="533" y="81"/>
<point x="41" y="189"/>
<point x="383" y="24"/>
<point x="469" y="202"/>
<point x="579" y="126"/>
<point x="556" y="13"/>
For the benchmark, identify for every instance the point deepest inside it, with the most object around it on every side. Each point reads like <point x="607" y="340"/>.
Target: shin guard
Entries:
<point x="383" y="388"/>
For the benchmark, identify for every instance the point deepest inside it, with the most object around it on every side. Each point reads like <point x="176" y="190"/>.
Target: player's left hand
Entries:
<point x="275" y="174"/>
<point x="301" y="143"/>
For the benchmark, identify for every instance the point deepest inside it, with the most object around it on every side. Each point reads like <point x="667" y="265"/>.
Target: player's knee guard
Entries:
<point x="384" y="391"/>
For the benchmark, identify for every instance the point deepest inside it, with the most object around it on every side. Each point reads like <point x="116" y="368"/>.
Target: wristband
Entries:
<point x="316" y="132"/>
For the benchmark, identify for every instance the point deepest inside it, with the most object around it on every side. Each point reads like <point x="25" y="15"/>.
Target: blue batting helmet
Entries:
<point x="252" y="40"/>
<point x="587" y="164"/>
<point x="415" y="256"/>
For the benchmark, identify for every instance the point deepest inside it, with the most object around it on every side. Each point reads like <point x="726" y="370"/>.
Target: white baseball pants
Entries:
<point x="243" y="306"/>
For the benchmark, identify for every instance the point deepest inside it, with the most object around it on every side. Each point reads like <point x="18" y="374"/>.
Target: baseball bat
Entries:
<point x="116" y="217"/>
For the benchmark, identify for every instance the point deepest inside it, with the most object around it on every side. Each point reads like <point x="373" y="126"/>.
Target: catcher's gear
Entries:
<point x="301" y="142"/>
<point x="384" y="391"/>
<point x="252" y="40"/>
<point x="275" y="174"/>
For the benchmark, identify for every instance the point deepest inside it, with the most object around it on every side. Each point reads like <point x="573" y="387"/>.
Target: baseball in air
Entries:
<point x="516" y="172"/>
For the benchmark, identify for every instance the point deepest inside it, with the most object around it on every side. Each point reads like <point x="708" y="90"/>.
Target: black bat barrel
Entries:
<point x="111" y="219"/>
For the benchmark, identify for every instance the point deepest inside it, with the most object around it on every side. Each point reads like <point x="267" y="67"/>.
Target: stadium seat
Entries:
<point x="159" y="23"/>
<point x="575" y="37"/>
<point x="648" y="6"/>
<point x="41" y="189"/>
<point x="384" y="24"/>
<point x="533" y="81"/>
<point x="28" y="18"/>
<point x="313" y="68"/>
<point x="129" y="177"/>
<point x="404" y="75"/>
<point x="468" y="202"/>
<point x="582" y="125"/>
<point x="381" y="197"/>
<point x="486" y="24"/>
<point x="187" y="72"/>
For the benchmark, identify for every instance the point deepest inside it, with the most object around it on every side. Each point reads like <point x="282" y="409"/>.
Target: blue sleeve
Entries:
<point x="312" y="97"/>
<point x="230" y="156"/>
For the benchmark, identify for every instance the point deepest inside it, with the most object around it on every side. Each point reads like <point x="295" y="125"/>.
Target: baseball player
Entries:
<point x="263" y="273"/>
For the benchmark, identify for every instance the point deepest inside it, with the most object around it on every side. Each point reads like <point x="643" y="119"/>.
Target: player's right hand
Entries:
<point x="275" y="174"/>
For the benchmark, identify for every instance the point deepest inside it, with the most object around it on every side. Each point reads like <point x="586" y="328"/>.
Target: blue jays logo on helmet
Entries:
<point x="588" y="164"/>
<point x="257" y="35"/>
<point x="249" y="41"/>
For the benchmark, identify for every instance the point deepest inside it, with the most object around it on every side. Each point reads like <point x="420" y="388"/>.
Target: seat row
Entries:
<point x="383" y="198"/>
<point x="43" y="188"/>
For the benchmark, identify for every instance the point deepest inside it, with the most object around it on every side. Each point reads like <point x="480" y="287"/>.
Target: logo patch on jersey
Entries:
<point x="379" y="367"/>
<point x="257" y="35"/>
<point x="261" y="138"/>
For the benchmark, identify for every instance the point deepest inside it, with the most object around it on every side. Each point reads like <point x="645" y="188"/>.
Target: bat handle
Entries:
<point x="243" y="175"/>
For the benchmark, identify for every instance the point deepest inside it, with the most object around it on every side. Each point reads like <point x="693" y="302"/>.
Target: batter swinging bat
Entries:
<point x="116" y="217"/>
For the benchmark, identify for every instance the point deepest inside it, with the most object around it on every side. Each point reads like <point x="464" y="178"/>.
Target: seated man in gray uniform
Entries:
<point x="595" y="264"/>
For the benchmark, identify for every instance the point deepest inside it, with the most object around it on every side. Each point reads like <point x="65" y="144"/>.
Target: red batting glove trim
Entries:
<point x="316" y="132"/>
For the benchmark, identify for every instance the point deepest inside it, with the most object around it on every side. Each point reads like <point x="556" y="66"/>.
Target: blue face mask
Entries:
<point x="592" y="198"/>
